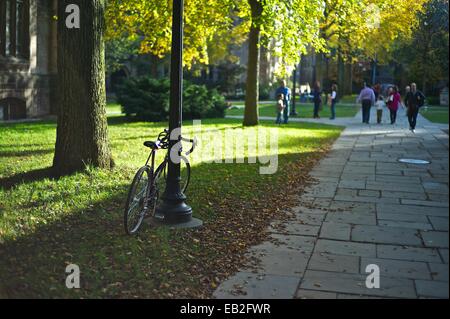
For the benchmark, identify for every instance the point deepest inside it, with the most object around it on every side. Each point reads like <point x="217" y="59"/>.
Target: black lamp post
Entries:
<point x="173" y="210"/>
<point x="294" y="92"/>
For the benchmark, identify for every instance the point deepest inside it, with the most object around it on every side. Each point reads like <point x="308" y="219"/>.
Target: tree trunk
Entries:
<point x="251" y="116"/>
<point x="82" y="132"/>
<point x="341" y="74"/>
<point x="294" y="91"/>
<point x="320" y="69"/>
<point x="154" y="66"/>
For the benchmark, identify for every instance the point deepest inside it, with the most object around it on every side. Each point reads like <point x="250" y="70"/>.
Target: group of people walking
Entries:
<point x="413" y="100"/>
<point x="283" y="95"/>
<point x="318" y="102"/>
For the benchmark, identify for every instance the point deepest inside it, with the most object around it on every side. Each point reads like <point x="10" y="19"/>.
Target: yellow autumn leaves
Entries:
<point x="288" y="27"/>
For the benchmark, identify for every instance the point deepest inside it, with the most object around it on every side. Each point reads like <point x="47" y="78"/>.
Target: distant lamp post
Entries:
<point x="173" y="209"/>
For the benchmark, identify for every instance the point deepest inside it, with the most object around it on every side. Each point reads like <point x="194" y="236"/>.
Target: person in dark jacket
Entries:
<point x="317" y="93"/>
<point x="414" y="100"/>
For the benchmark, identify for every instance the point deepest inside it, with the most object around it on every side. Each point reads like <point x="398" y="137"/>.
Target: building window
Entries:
<point x="14" y="28"/>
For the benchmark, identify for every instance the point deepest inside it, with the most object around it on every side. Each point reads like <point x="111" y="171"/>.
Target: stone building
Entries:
<point x="27" y="58"/>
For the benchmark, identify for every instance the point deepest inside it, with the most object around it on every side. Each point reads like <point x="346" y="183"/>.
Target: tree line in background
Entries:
<point x="342" y="30"/>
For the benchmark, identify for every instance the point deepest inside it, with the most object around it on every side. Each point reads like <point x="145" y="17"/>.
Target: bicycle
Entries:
<point x="149" y="183"/>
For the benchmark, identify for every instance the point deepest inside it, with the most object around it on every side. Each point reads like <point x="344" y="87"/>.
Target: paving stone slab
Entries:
<point x="278" y="261"/>
<point x="398" y="268"/>
<point x="413" y="218"/>
<point x="435" y="188"/>
<point x="405" y="224"/>
<point x="424" y="203"/>
<point x="411" y="209"/>
<point x="439" y="272"/>
<point x="356" y="284"/>
<point x="346" y="192"/>
<point x="315" y="219"/>
<point x="332" y="230"/>
<point x="396" y="178"/>
<point x="408" y="253"/>
<point x="356" y="218"/>
<point x="385" y="235"/>
<point x="368" y="193"/>
<point x="366" y="199"/>
<point x="435" y="239"/>
<point x="430" y="288"/>
<point x="353" y="207"/>
<point x="354" y="297"/>
<point x="439" y="223"/>
<point x="404" y="195"/>
<point x="288" y="242"/>
<point x="444" y="254"/>
<point x="313" y="294"/>
<point x="294" y="228"/>
<point x="345" y="248"/>
<point x="438" y="197"/>
<point x="348" y="175"/>
<point x="333" y="262"/>
<point x="322" y="202"/>
<point x="409" y="188"/>
<point x="256" y="286"/>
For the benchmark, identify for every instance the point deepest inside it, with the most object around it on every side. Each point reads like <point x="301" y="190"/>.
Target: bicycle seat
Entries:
<point x="151" y="145"/>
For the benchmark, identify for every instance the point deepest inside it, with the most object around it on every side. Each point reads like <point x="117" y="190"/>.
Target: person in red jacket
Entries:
<point x="393" y="103"/>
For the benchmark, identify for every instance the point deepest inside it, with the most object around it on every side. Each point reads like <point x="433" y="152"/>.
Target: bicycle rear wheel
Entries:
<point x="137" y="202"/>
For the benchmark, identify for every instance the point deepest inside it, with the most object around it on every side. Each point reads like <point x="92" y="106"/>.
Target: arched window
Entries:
<point x="14" y="28"/>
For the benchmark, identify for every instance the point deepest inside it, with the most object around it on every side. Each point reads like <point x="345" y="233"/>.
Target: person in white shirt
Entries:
<point x="333" y="97"/>
<point x="380" y="105"/>
<point x="280" y="107"/>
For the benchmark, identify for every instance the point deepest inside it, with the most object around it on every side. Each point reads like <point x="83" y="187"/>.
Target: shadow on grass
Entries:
<point x="10" y="182"/>
<point x="25" y="153"/>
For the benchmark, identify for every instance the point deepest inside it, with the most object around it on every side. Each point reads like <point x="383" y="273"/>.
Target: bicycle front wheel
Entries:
<point x="137" y="202"/>
<point x="185" y="176"/>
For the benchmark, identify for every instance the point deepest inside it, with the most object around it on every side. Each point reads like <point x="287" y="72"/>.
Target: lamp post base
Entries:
<point x="190" y="224"/>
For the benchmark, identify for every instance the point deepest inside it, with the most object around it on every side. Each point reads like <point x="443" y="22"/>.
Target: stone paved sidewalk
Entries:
<point x="366" y="208"/>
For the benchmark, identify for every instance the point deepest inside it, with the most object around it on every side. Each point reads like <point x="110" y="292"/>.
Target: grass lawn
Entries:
<point x="47" y="223"/>
<point x="113" y="108"/>
<point x="305" y="110"/>
<point x="436" y="114"/>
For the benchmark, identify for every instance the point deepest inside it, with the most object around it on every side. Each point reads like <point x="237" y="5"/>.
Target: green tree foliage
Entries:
<point x="425" y="56"/>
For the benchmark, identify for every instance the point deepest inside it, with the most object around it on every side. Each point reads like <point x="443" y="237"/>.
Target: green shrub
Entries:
<point x="148" y="99"/>
<point x="264" y="92"/>
<point x="433" y="100"/>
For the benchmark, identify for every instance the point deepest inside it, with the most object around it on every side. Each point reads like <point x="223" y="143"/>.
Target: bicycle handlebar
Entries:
<point x="163" y="139"/>
<point x="194" y="144"/>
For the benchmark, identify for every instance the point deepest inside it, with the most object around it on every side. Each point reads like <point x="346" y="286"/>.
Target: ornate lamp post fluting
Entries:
<point x="174" y="210"/>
